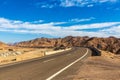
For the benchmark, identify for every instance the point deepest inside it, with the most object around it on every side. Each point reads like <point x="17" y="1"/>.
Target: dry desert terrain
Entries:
<point x="105" y="67"/>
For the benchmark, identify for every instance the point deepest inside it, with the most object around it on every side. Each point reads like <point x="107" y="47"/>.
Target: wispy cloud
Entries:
<point x="82" y="3"/>
<point x="90" y="5"/>
<point x="82" y="20"/>
<point x="103" y="29"/>
<point x="71" y="3"/>
<point x="39" y="21"/>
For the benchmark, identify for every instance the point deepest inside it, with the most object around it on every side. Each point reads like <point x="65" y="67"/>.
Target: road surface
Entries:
<point x="53" y="67"/>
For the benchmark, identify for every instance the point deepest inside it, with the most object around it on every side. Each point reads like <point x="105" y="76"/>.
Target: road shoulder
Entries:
<point x="100" y="68"/>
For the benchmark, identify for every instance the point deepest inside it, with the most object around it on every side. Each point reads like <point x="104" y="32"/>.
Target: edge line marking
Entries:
<point x="63" y="69"/>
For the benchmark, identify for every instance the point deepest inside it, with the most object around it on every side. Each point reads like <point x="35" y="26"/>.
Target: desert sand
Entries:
<point x="19" y="54"/>
<point x="105" y="67"/>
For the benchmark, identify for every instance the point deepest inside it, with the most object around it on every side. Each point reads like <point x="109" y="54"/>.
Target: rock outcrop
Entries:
<point x="111" y="44"/>
<point x="3" y="46"/>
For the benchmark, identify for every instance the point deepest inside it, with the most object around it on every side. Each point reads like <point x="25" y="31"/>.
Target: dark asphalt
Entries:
<point x="43" y="68"/>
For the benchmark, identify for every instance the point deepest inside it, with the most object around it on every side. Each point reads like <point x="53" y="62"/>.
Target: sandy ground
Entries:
<point x="28" y="53"/>
<point x="105" y="67"/>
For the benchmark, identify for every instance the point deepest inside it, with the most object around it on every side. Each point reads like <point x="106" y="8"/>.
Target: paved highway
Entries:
<point x="53" y="67"/>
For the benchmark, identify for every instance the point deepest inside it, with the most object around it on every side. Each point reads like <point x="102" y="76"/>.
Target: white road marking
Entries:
<point x="60" y="71"/>
<point x="48" y="60"/>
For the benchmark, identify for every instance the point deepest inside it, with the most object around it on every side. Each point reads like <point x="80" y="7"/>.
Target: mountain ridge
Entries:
<point x="111" y="44"/>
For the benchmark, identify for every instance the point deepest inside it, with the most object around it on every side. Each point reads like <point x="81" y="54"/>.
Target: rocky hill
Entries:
<point x="111" y="44"/>
<point x="3" y="45"/>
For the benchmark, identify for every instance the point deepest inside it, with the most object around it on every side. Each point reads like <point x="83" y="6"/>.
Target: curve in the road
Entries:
<point x="46" y="68"/>
<point x="63" y="69"/>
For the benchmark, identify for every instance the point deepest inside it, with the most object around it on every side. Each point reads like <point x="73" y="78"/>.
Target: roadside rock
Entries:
<point x="10" y="53"/>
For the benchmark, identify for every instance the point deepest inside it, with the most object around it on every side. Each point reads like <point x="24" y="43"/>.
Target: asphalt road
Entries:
<point x="53" y="67"/>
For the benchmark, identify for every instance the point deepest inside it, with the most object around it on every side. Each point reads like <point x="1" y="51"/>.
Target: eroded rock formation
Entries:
<point x="111" y="44"/>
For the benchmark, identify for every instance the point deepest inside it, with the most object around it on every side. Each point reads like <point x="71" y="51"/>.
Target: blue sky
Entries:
<point x="22" y="20"/>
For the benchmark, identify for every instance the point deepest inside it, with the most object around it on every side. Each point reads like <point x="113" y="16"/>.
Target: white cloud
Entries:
<point x="82" y="3"/>
<point x="114" y="31"/>
<point x="103" y="1"/>
<point x="95" y="25"/>
<point x="82" y="20"/>
<point x="39" y="21"/>
<point x="90" y="5"/>
<point x="71" y="3"/>
<point x="47" y="6"/>
<point x="53" y="28"/>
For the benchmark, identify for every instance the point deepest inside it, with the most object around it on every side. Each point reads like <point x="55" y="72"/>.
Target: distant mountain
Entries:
<point x="111" y="44"/>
